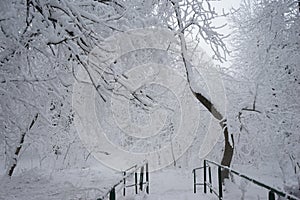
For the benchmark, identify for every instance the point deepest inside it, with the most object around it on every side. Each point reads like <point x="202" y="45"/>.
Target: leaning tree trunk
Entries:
<point x="228" y="147"/>
<point x="13" y="165"/>
<point x="228" y="151"/>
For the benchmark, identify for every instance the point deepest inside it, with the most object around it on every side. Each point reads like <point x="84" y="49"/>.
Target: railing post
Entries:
<point x="272" y="192"/>
<point x="124" y="183"/>
<point x="194" y="173"/>
<point x="210" y="181"/>
<point x="136" y="182"/>
<point x="141" y="178"/>
<point x="147" y="178"/>
<point x="271" y="195"/>
<point x="112" y="194"/>
<point x="204" y="175"/>
<point x="220" y="182"/>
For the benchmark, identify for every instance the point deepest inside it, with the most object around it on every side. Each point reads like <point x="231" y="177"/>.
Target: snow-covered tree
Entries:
<point x="206" y="31"/>
<point x="45" y="42"/>
<point x="266" y="67"/>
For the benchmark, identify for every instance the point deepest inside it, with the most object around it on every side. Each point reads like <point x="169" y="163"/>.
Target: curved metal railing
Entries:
<point x="138" y="181"/>
<point x="219" y="191"/>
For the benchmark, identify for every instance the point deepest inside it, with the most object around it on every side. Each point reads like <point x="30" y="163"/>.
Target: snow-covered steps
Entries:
<point x="169" y="184"/>
<point x="91" y="183"/>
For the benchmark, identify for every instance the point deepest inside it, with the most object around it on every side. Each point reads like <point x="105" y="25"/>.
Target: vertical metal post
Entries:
<point x="194" y="173"/>
<point x="112" y="194"/>
<point x="136" y="182"/>
<point x="220" y="182"/>
<point x="124" y="183"/>
<point x="271" y="195"/>
<point x="209" y="179"/>
<point x="204" y="182"/>
<point x="141" y="178"/>
<point x="147" y="178"/>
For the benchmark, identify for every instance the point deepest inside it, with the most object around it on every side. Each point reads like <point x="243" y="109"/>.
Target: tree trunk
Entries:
<point x="19" y="147"/>
<point x="228" y="151"/>
<point x="228" y="148"/>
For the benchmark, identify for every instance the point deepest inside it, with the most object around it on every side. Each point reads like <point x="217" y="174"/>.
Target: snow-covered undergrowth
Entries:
<point x="94" y="180"/>
<point x="44" y="43"/>
<point x="67" y="184"/>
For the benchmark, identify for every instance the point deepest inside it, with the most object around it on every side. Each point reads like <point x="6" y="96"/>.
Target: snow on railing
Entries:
<point x="138" y="183"/>
<point x="219" y="193"/>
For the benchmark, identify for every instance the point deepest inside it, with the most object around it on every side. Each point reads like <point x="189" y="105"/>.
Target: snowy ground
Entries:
<point x="91" y="183"/>
<point x="57" y="185"/>
<point x="169" y="184"/>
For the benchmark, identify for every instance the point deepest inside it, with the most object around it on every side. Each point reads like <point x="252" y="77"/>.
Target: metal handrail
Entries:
<point x="111" y="193"/>
<point x="219" y="194"/>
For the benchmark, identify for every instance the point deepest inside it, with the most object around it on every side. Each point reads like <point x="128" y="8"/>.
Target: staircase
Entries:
<point x="179" y="184"/>
<point x="217" y="189"/>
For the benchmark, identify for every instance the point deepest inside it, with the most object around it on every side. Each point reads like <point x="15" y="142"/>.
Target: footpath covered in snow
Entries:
<point x="171" y="183"/>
